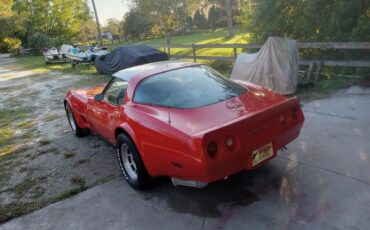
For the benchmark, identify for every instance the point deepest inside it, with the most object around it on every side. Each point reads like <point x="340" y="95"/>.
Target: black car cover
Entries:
<point x="127" y="56"/>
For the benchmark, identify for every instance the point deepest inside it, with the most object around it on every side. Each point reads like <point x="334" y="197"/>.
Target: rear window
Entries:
<point x="186" y="88"/>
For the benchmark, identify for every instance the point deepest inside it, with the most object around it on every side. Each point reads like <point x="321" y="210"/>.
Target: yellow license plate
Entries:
<point x="262" y="154"/>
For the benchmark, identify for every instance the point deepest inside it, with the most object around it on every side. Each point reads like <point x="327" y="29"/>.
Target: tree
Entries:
<point x="6" y="8"/>
<point x="205" y="7"/>
<point x="113" y="26"/>
<point x="314" y="20"/>
<point x="165" y="14"/>
<point x="6" y="14"/>
<point x="55" y="18"/>
<point x="229" y="18"/>
<point x="199" y="20"/>
<point x="97" y="23"/>
<point x="135" y="23"/>
<point x="88" y="29"/>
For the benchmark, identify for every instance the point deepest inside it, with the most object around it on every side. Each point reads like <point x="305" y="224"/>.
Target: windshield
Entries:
<point x="186" y="88"/>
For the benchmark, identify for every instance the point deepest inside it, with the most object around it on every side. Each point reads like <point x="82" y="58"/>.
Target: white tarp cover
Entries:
<point x="274" y="66"/>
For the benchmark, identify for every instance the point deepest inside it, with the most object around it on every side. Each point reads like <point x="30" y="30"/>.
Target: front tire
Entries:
<point x="131" y="164"/>
<point x="77" y="131"/>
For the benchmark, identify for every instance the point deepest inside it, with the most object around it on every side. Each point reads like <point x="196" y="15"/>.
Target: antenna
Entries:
<point x="169" y="118"/>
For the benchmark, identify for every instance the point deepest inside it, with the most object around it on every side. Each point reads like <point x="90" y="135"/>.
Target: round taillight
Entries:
<point x="212" y="149"/>
<point x="230" y="142"/>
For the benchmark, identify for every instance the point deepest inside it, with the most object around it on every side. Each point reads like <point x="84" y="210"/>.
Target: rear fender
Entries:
<point x="126" y="129"/>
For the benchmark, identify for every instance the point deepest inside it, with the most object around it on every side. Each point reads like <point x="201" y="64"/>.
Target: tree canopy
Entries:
<point x="52" y="20"/>
<point x="59" y="21"/>
<point x="313" y="20"/>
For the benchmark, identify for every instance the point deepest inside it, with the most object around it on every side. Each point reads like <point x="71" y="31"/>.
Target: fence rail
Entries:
<point x="301" y="45"/>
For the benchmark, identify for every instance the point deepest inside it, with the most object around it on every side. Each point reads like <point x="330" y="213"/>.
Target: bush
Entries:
<point x="39" y="41"/>
<point x="222" y="66"/>
<point x="10" y="45"/>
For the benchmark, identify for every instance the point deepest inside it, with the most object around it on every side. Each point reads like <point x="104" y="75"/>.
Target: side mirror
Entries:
<point x="98" y="97"/>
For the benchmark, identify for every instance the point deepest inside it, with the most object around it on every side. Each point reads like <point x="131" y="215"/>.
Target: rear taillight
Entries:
<point x="212" y="149"/>
<point x="230" y="142"/>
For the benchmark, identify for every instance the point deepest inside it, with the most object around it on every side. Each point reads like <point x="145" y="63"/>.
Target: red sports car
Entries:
<point x="185" y="121"/>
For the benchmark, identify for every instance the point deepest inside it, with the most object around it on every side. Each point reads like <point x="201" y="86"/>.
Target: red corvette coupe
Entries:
<point x="185" y="121"/>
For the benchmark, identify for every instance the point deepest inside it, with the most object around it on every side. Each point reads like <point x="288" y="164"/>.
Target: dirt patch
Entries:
<point x="41" y="161"/>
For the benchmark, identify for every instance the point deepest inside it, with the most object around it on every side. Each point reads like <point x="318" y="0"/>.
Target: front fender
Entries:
<point x="77" y="107"/>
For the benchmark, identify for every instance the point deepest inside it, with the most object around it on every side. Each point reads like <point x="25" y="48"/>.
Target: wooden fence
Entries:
<point x="302" y="45"/>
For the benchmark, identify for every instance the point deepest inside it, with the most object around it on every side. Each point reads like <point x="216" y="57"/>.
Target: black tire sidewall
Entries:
<point x="142" y="181"/>
<point x="78" y="132"/>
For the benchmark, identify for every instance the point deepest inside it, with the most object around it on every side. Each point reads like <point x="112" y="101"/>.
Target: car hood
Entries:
<point x="195" y="121"/>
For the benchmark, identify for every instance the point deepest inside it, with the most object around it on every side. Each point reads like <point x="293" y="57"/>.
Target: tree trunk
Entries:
<point x="229" y="19"/>
<point x="97" y="23"/>
<point x="166" y="33"/>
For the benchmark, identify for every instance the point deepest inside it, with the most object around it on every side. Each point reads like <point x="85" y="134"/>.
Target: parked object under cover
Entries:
<point x="128" y="56"/>
<point x="274" y="66"/>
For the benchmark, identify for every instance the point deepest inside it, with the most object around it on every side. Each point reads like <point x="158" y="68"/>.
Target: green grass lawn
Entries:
<point x="201" y="37"/>
<point x="218" y="36"/>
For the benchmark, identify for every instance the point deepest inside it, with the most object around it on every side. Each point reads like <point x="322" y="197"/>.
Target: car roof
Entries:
<point x="146" y="70"/>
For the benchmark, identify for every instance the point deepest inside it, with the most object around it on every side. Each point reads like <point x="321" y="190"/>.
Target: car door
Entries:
<point x="104" y="114"/>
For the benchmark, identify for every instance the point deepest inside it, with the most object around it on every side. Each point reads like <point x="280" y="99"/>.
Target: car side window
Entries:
<point x="115" y="92"/>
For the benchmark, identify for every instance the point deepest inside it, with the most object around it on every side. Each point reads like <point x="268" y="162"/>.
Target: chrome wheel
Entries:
<point x="71" y="119"/>
<point x="128" y="161"/>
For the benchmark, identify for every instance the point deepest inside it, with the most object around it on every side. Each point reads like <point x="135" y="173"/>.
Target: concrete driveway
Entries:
<point x="321" y="182"/>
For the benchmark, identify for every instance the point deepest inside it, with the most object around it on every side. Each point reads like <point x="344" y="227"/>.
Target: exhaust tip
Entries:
<point x="188" y="183"/>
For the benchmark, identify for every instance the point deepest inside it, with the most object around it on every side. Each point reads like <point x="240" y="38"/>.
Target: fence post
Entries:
<point x="317" y="74"/>
<point x="235" y="53"/>
<point x="194" y="53"/>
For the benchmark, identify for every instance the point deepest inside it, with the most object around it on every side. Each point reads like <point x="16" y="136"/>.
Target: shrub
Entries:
<point x="59" y="41"/>
<point x="10" y="44"/>
<point x="222" y="66"/>
<point x="39" y="41"/>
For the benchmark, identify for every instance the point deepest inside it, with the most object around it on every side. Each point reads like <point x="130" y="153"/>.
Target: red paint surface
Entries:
<point x="253" y="119"/>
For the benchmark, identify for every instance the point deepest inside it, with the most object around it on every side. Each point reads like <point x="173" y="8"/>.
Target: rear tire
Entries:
<point x="131" y="164"/>
<point x="77" y="131"/>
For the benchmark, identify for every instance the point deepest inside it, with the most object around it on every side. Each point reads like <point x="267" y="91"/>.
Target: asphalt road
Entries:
<point x="321" y="182"/>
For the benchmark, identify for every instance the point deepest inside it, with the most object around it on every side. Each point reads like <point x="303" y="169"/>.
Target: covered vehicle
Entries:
<point x="274" y="66"/>
<point x="185" y="121"/>
<point x="128" y="56"/>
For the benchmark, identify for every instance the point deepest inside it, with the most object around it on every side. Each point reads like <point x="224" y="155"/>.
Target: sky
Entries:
<point x="110" y="9"/>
